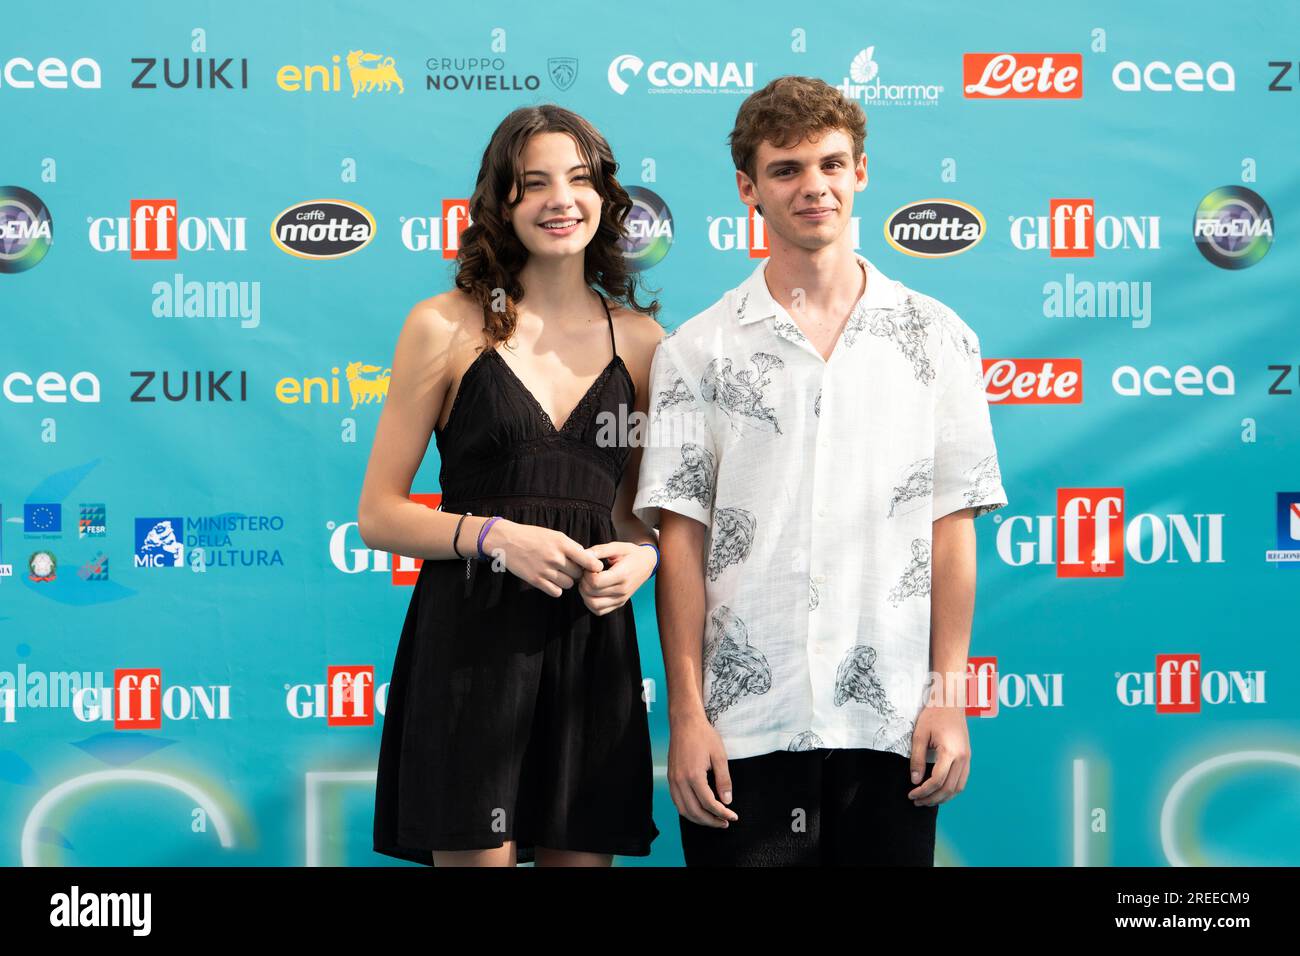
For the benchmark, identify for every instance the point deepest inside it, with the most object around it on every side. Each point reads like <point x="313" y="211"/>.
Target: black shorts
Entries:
<point x="818" y="808"/>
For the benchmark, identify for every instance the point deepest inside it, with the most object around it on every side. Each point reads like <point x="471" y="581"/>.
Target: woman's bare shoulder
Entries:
<point x="445" y="321"/>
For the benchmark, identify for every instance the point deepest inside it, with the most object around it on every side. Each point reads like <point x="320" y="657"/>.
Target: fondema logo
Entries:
<point x="988" y="690"/>
<point x="749" y="232"/>
<point x="323" y="229"/>
<point x="934" y="228"/>
<point x="1233" y="227"/>
<point x="159" y="542"/>
<point x="348" y="698"/>
<point x="1179" y="686"/>
<point x="1092" y="536"/>
<point x="154" y="230"/>
<point x="138" y="701"/>
<point x="1022" y="76"/>
<point x="1033" y="381"/>
<point x="26" y="229"/>
<point x="1287" y="554"/>
<point x="662" y="76"/>
<point x="863" y="84"/>
<point x="437" y="233"/>
<point x="648" y="230"/>
<point x="1072" y="230"/>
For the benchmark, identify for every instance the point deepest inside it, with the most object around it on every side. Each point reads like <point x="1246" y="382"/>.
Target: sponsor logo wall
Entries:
<point x="211" y="231"/>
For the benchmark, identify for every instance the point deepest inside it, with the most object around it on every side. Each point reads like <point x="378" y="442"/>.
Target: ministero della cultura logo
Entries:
<point x="26" y="229"/>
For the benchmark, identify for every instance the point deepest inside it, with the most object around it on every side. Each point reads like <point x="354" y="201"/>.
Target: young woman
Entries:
<point x="516" y="728"/>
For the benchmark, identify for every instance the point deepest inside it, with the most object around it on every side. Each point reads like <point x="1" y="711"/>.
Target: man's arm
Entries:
<point x="942" y="723"/>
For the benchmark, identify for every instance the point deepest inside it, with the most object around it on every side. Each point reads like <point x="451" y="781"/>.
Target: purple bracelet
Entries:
<point x="656" y="567"/>
<point x="483" y="534"/>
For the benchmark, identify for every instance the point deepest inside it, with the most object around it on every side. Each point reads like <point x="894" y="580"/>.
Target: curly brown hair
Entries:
<point x="789" y="109"/>
<point x="491" y="254"/>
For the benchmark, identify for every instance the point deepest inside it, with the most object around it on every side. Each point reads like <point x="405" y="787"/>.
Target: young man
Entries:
<point x="819" y="445"/>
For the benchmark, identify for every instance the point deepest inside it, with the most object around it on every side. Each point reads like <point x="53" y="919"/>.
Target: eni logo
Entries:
<point x="367" y="72"/>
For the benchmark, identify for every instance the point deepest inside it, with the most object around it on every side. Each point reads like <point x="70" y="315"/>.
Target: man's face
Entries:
<point x="806" y="189"/>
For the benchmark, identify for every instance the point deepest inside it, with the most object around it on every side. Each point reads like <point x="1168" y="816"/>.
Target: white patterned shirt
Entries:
<point x="818" y="481"/>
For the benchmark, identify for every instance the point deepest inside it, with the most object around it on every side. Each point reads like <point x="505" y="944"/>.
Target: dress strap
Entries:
<point x="610" y="318"/>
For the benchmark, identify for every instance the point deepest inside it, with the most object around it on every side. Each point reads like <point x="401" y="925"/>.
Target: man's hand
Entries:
<point x="944" y="729"/>
<point x="694" y="748"/>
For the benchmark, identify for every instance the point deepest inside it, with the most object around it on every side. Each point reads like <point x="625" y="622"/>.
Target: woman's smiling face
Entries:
<point x="560" y="209"/>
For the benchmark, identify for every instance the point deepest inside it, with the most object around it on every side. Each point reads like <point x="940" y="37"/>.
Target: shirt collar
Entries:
<point x="752" y="302"/>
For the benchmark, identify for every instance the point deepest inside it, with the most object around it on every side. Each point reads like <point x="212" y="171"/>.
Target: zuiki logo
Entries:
<point x="1027" y="381"/>
<point x="26" y="229"/>
<point x="1178" y="686"/>
<point x="367" y="73"/>
<point x="863" y="83"/>
<point x="138" y="701"/>
<point x="366" y="384"/>
<point x="988" y="690"/>
<point x="437" y="233"/>
<point x="934" y="228"/>
<point x="205" y="543"/>
<point x="1022" y="76"/>
<point x="190" y="386"/>
<point x="1233" y="227"/>
<point x="1092" y="536"/>
<point x="348" y="698"/>
<point x="648" y="230"/>
<point x="154" y="231"/>
<point x="749" y="233"/>
<point x="1072" y="230"/>
<point x="195" y="73"/>
<point x="51" y="73"/>
<point x="662" y="76"/>
<point x="323" y="229"/>
<point x="1287" y="553"/>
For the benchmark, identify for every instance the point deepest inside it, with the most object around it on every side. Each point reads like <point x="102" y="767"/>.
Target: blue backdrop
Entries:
<point x="190" y="395"/>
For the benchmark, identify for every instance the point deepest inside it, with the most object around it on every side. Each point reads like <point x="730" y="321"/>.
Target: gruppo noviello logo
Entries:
<point x="323" y="229"/>
<point x="1233" y="227"/>
<point x="26" y="229"/>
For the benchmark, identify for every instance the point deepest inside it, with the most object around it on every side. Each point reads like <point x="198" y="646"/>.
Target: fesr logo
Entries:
<point x="1088" y="537"/>
<point x="1179" y="686"/>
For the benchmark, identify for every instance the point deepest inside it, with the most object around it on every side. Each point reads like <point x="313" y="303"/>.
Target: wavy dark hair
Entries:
<point x="491" y="254"/>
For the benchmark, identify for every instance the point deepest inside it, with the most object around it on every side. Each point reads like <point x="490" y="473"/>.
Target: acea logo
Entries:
<point x="648" y="230"/>
<point x="934" y="228"/>
<point x="1233" y="227"/>
<point x="367" y="73"/>
<point x="323" y="229"/>
<point x="26" y="229"/>
<point x="1287" y="554"/>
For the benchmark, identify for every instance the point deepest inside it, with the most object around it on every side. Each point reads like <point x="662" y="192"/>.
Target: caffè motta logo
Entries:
<point x="323" y="229"/>
<point x="367" y="73"/>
